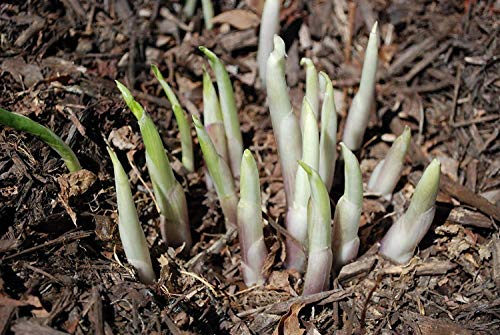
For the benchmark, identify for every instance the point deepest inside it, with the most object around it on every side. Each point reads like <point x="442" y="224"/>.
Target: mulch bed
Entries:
<point x="62" y="267"/>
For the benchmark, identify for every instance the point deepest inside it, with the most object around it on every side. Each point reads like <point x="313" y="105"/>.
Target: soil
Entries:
<point x="62" y="266"/>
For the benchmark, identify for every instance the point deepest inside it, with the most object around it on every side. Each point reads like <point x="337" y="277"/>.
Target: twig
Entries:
<point x="70" y="237"/>
<point x="456" y="90"/>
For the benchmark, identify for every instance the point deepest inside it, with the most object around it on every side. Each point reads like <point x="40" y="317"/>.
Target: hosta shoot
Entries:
<point x="250" y="231"/>
<point x="359" y="112"/>
<point x="345" y="243"/>
<point x="328" y="137"/>
<point x="269" y="25"/>
<point x="320" y="235"/>
<point x="229" y="111"/>
<point x="208" y="13"/>
<point x="131" y="233"/>
<point x="312" y="87"/>
<point x="220" y="175"/>
<point x="214" y="124"/>
<point x="168" y="191"/>
<point x="23" y="123"/>
<point x="296" y="217"/>
<point x="406" y="233"/>
<point x="386" y="174"/>
<point x="285" y="124"/>
<point x="182" y="121"/>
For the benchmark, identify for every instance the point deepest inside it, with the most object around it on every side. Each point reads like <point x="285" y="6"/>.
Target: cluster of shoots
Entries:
<point x="307" y="152"/>
<point x="310" y="142"/>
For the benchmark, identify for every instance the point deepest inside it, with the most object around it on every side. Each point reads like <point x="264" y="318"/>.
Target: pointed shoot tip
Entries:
<point x="306" y="167"/>
<point x="197" y="122"/>
<point x="374" y="28"/>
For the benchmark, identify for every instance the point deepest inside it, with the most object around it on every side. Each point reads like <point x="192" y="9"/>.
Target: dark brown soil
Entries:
<point x="439" y="74"/>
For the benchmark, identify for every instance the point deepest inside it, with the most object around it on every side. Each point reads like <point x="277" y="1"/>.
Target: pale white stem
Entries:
<point x="131" y="233"/>
<point x="406" y="233"/>
<point x="296" y="218"/>
<point x="319" y="234"/>
<point x="253" y="248"/>
<point x="213" y="120"/>
<point x="386" y="174"/>
<point x="328" y="137"/>
<point x="208" y="13"/>
<point x="359" y="112"/>
<point x="345" y="241"/>
<point x="312" y="87"/>
<point x="229" y="111"/>
<point x="285" y="124"/>
<point x="269" y="25"/>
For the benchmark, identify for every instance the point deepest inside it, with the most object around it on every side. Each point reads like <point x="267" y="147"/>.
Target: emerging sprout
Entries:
<point x="212" y="114"/>
<point x="190" y="7"/>
<point x="21" y="122"/>
<point x="296" y="217"/>
<point x="285" y="125"/>
<point x="180" y="116"/>
<point x="320" y="235"/>
<point x="312" y="87"/>
<point x="229" y="112"/>
<point x="269" y="25"/>
<point x="168" y="192"/>
<point x="405" y="234"/>
<point x="131" y="234"/>
<point x="357" y="118"/>
<point x="253" y="248"/>
<point x="345" y="243"/>
<point x="386" y="174"/>
<point x="208" y="13"/>
<point x="220" y="174"/>
<point x="328" y="137"/>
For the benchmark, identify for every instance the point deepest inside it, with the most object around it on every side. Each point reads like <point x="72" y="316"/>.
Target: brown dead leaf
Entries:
<point x="239" y="18"/>
<point x="29" y="74"/>
<point x="289" y="323"/>
<point x="73" y="184"/>
<point x="124" y="138"/>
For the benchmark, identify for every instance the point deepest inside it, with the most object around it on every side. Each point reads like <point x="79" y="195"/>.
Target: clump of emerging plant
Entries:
<point x="359" y="112"/>
<point x="296" y="217"/>
<point x="386" y="174"/>
<point x="317" y="149"/>
<point x="320" y="235"/>
<point x="251" y="236"/>
<point x="405" y="234"/>
<point x="220" y="175"/>
<point x="168" y="191"/>
<point x="21" y="122"/>
<point x="269" y="25"/>
<point x="345" y="243"/>
<point x="229" y="112"/>
<point x="182" y="121"/>
<point x="285" y="125"/>
<point x="131" y="233"/>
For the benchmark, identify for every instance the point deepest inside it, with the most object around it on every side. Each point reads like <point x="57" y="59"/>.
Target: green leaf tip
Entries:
<point x="306" y="61"/>
<point x="306" y="167"/>
<point x="279" y="47"/>
<point x="197" y="122"/>
<point x="374" y="28"/>
<point x="133" y="105"/>
<point x="23" y="123"/>
<point x="210" y="54"/>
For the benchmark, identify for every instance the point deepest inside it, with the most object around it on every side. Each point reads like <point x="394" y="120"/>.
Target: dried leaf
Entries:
<point x="289" y="323"/>
<point x="239" y="18"/>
